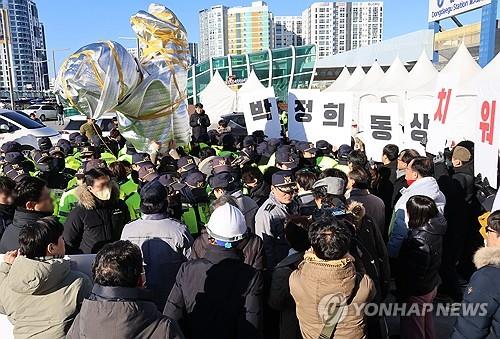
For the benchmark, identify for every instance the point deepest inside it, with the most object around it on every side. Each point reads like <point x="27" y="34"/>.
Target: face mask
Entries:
<point x="103" y="195"/>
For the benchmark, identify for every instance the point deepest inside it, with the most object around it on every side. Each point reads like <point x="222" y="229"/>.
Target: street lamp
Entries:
<point x="138" y="44"/>
<point x="53" y="56"/>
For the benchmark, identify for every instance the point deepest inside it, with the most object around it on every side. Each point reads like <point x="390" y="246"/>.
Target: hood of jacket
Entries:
<point x="338" y="273"/>
<point x="428" y="187"/>
<point x="89" y="201"/>
<point x="487" y="256"/>
<point x="6" y="212"/>
<point x="27" y="276"/>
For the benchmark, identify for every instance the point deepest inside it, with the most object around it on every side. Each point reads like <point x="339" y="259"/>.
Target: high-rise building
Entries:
<point x="250" y="29"/>
<point x="366" y="23"/>
<point x="287" y="31"/>
<point x="336" y="27"/>
<point x="193" y="51"/>
<point x="25" y="36"/>
<point x="213" y="32"/>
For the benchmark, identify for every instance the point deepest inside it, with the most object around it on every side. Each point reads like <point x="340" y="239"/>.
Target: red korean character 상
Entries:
<point x="441" y="112"/>
<point x="487" y="125"/>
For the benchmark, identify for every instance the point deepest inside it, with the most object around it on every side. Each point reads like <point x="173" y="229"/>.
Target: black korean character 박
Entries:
<point x="381" y="126"/>
<point x="332" y="113"/>
<point x="261" y="110"/>
<point x="418" y="129"/>
<point x="304" y="109"/>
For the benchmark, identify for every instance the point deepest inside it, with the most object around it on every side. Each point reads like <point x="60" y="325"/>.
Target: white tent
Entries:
<point x="251" y="83"/>
<point x="423" y="75"/>
<point x="340" y="81"/>
<point x="217" y="98"/>
<point x="370" y="82"/>
<point x="357" y="76"/>
<point x="461" y="68"/>
<point x="395" y="77"/>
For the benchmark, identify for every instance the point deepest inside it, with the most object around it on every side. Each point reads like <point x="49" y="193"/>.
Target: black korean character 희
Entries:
<point x="381" y="126"/>
<point x="261" y="110"/>
<point x="334" y="114"/>
<point x="419" y="129"/>
<point x="304" y="110"/>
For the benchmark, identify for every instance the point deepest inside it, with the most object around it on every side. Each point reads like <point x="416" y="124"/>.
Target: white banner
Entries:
<point x="418" y="113"/>
<point x="381" y="127"/>
<point x="261" y="112"/>
<point x="441" y="9"/>
<point x="333" y="118"/>
<point x="303" y="105"/>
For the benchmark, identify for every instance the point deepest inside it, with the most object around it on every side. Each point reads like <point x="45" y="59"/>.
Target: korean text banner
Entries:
<point x="418" y="113"/>
<point x="486" y="125"/>
<point x="441" y="9"/>
<point x="261" y="111"/>
<point x="381" y="127"/>
<point x="302" y="105"/>
<point x="332" y="118"/>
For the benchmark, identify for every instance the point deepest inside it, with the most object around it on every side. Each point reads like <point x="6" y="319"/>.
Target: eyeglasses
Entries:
<point x="490" y="230"/>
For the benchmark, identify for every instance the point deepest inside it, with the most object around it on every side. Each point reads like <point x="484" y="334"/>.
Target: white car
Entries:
<point x="42" y="111"/>
<point x="17" y="126"/>
<point x="76" y="121"/>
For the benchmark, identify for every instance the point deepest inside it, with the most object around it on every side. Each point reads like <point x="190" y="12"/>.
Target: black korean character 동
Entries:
<point x="261" y="110"/>
<point x="303" y="109"/>
<point x="419" y="129"/>
<point x="333" y="114"/>
<point x="381" y="127"/>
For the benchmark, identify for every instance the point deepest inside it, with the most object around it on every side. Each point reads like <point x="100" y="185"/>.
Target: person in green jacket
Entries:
<point x="325" y="158"/>
<point x="90" y="128"/>
<point x="106" y="154"/>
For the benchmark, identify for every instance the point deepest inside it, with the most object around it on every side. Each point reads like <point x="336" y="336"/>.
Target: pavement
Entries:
<point x="53" y="124"/>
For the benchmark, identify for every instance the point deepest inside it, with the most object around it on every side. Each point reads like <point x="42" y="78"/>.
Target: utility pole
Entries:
<point x="7" y="41"/>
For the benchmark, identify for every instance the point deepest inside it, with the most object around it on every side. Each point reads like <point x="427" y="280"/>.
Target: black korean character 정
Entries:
<point x="334" y="114"/>
<point x="381" y="126"/>
<point x="261" y="110"/>
<point x="418" y="129"/>
<point x="304" y="109"/>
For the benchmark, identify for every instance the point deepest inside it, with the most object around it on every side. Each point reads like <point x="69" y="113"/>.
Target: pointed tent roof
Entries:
<point x="357" y="76"/>
<point x="252" y="83"/>
<point x="395" y="76"/>
<point x="462" y="64"/>
<point x="486" y="78"/>
<point x="371" y="80"/>
<point x="343" y="77"/>
<point x="423" y="75"/>
<point x="217" y="98"/>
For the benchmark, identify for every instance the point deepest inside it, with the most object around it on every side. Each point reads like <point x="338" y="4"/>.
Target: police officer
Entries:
<point x="106" y="153"/>
<point x="186" y="165"/>
<point x="195" y="202"/>
<point x="270" y="218"/>
<point x="225" y="184"/>
<point x="70" y="161"/>
<point x="307" y="156"/>
<point x="324" y="155"/>
<point x="69" y="198"/>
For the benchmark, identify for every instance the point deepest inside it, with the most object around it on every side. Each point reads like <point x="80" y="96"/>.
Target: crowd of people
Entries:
<point x="241" y="237"/>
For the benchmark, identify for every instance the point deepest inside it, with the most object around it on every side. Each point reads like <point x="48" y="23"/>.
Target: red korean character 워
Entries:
<point x="487" y="125"/>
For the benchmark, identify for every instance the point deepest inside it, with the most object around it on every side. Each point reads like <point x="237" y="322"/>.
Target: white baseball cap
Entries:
<point x="227" y="223"/>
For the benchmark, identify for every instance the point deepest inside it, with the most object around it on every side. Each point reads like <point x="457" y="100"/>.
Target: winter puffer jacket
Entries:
<point x="482" y="293"/>
<point x="122" y="312"/>
<point x="420" y="259"/>
<point x="94" y="223"/>
<point x="41" y="298"/>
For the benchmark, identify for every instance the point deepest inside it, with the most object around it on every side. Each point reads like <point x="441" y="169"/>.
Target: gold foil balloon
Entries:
<point x="150" y="98"/>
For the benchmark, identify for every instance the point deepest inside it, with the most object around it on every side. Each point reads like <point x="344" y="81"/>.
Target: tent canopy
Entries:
<point x="357" y="76"/>
<point x="371" y="80"/>
<point x="217" y="98"/>
<point x="394" y="78"/>
<point x="341" y="80"/>
<point x="423" y="75"/>
<point x="252" y="83"/>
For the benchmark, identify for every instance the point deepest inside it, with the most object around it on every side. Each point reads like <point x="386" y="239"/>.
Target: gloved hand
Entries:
<point x="424" y="141"/>
<point x="438" y="159"/>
